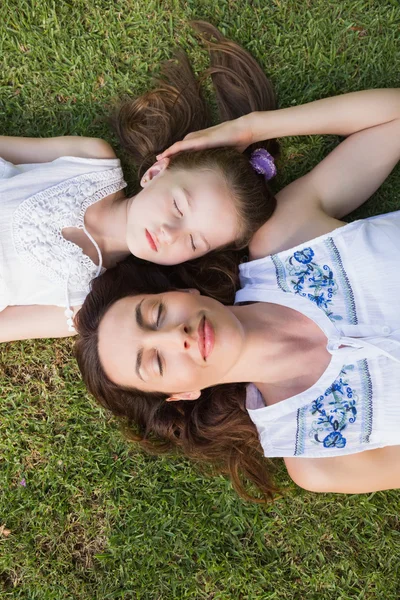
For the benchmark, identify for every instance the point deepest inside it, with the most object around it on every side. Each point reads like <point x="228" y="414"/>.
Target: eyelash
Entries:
<point x="159" y="314"/>
<point x="157" y="324"/>
<point x="178" y="210"/>
<point x="193" y="245"/>
<point x="160" y="366"/>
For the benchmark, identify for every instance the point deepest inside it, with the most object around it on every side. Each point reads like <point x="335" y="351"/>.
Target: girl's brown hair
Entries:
<point x="215" y="429"/>
<point x="145" y="126"/>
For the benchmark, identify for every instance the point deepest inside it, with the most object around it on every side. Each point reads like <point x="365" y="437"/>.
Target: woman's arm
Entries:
<point x="28" y="322"/>
<point x="340" y="115"/>
<point x="352" y="172"/>
<point x="21" y="150"/>
<point x="311" y="205"/>
<point x="364" y="472"/>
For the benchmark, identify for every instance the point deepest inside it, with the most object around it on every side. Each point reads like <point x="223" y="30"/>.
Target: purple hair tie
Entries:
<point x="263" y="163"/>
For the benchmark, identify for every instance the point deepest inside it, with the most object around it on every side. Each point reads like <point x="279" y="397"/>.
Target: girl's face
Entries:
<point x="180" y="215"/>
<point x="177" y="343"/>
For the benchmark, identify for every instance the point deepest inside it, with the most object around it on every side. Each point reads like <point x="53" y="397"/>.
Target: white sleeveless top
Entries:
<point x="37" y="264"/>
<point x="348" y="283"/>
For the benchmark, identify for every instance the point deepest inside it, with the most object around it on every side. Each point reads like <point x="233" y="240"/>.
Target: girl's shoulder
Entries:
<point x="94" y="148"/>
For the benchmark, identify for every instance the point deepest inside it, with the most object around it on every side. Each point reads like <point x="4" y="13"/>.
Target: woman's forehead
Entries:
<point x="118" y="338"/>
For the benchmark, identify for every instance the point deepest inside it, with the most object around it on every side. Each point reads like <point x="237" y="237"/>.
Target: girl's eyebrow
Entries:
<point x="188" y="197"/>
<point x="189" y="200"/>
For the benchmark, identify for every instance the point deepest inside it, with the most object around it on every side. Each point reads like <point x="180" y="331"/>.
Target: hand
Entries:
<point x="235" y="133"/>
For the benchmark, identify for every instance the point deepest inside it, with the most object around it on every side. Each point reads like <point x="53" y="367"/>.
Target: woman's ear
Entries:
<point x="184" y="396"/>
<point x="156" y="169"/>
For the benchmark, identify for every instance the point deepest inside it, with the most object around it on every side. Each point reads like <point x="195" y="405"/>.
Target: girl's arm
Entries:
<point x="340" y="115"/>
<point x="21" y="150"/>
<point x="28" y="322"/>
<point x="364" y="472"/>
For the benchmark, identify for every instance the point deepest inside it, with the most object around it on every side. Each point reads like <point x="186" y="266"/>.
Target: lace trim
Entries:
<point x="39" y="220"/>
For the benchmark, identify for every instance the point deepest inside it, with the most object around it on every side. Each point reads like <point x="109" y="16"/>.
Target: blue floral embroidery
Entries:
<point x="335" y="410"/>
<point x="310" y="280"/>
<point x="328" y="421"/>
<point x="334" y="440"/>
<point x="304" y="256"/>
<point x="320" y="283"/>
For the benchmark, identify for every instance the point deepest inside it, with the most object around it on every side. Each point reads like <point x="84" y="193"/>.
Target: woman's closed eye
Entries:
<point x="159" y="313"/>
<point x="159" y="364"/>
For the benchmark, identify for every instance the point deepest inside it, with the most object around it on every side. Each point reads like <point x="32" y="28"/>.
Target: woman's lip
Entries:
<point x="151" y="241"/>
<point x="206" y="338"/>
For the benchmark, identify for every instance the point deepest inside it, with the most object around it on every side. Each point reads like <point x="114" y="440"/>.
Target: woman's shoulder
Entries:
<point x="289" y="228"/>
<point x="362" y="472"/>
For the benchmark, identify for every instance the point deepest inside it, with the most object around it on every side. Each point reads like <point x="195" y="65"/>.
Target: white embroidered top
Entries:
<point x="37" y="264"/>
<point x="348" y="283"/>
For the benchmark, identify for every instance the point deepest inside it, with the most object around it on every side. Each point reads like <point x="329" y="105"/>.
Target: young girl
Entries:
<point x="315" y="327"/>
<point x="64" y="216"/>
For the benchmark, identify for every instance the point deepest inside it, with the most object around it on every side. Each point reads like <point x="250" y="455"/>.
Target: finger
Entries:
<point x="170" y="151"/>
<point x="178" y="147"/>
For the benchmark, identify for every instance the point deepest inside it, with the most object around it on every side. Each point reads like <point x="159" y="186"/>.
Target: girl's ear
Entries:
<point x="184" y="396"/>
<point x="156" y="169"/>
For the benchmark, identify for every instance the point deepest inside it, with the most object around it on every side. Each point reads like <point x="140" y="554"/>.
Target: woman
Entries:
<point x="316" y="326"/>
<point x="64" y="215"/>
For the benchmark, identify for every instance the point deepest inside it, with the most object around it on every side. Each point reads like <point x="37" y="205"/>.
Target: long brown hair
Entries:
<point x="215" y="429"/>
<point x="145" y="126"/>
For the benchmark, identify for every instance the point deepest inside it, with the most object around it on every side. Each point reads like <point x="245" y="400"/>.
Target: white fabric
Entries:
<point x="37" y="264"/>
<point x="348" y="283"/>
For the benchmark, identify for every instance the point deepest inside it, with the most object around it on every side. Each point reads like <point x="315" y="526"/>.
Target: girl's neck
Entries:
<point x="106" y="221"/>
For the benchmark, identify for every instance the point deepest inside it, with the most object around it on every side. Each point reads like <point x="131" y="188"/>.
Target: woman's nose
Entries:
<point x="175" y="337"/>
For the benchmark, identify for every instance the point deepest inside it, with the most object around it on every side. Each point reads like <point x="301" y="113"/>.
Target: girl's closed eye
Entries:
<point x="178" y="210"/>
<point x="194" y="247"/>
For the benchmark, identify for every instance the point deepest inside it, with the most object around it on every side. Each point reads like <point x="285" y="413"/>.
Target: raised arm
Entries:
<point x="24" y="150"/>
<point x="340" y="115"/>
<point x="311" y="205"/>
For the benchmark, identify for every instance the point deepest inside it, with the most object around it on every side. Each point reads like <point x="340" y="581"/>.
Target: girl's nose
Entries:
<point x="168" y="234"/>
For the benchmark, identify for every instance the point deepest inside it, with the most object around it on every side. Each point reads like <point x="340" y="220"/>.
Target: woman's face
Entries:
<point x="180" y="215"/>
<point x="176" y="342"/>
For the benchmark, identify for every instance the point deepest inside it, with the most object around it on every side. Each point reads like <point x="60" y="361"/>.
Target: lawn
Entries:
<point x="83" y="516"/>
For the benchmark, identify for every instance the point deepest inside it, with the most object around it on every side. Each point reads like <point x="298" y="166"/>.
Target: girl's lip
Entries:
<point x="151" y="241"/>
<point x="206" y="338"/>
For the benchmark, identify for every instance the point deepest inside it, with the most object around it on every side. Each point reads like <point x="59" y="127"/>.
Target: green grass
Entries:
<point x="97" y="520"/>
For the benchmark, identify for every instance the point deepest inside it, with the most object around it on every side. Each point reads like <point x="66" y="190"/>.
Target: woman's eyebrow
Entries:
<point x="139" y="363"/>
<point x="139" y="316"/>
<point x="141" y="325"/>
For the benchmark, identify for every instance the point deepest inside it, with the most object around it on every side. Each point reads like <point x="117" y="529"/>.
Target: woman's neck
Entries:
<point x="278" y="343"/>
<point x="106" y="221"/>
